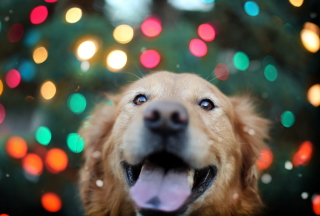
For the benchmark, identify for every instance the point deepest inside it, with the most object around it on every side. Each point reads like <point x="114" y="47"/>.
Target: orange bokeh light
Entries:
<point x="316" y="204"/>
<point x="265" y="160"/>
<point x="4" y="215"/>
<point x="303" y="155"/>
<point x="51" y="202"/>
<point x="32" y="164"/>
<point x="16" y="147"/>
<point x="56" y="160"/>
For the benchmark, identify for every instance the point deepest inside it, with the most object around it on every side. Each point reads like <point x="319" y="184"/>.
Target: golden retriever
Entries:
<point x="172" y="144"/>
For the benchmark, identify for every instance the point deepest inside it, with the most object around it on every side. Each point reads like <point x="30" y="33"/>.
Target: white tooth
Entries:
<point x="190" y="177"/>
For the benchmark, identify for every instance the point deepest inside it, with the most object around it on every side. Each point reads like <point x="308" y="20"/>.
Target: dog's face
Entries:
<point x="172" y="144"/>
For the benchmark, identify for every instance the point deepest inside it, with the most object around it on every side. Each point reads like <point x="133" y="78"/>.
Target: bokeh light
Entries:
<point x="265" y="160"/>
<point x="116" y="60"/>
<point x="4" y="215"/>
<point x="206" y="32"/>
<point x="313" y="95"/>
<point x="151" y="27"/>
<point x="50" y="1"/>
<point x="51" y="202"/>
<point x="251" y="8"/>
<point x="316" y="204"/>
<point x="56" y="160"/>
<point x="77" y="103"/>
<point x="75" y="142"/>
<point x="73" y="15"/>
<point x="287" y="119"/>
<point x="1" y="87"/>
<point x="86" y="50"/>
<point x="32" y="164"/>
<point x="270" y="72"/>
<point x="222" y="71"/>
<point x="48" y="90"/>
<point x="39" y="14"/>
<point x="27" y="70"/>
<point x="150" y="58"/>
<point x="13" y="78"/>
<point x="310" y="37"/>
<point x="43" y="135"/>
<point x="303" y="155"/>
<point x="16" y="147"/>
<point x="123" y="34"/>
<point x="85" y="65"/>
<point x="15" y="32"/>
<point x="198" y="48"/>
<point x="241" y="61"/>
<point x="2" y="113"/>
<point x="296" y="3"/>
<point x="40" y="54"/>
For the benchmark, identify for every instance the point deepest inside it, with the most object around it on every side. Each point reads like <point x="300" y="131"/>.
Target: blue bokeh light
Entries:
<point x="27" y="70"/>
<point x="251" y="8"/>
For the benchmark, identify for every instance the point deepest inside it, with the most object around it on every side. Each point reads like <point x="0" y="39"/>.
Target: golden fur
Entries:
<point x="220" y="137"/>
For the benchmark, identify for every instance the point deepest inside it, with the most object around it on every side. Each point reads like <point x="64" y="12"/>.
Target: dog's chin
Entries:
<point x="163" y="184"/>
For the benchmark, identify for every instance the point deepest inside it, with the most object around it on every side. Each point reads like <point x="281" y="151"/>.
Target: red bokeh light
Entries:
<point x="32" y="164"/>
<point x="39" y="14"/>
<point x="15" y="32"/>
<point x="4" y="215"/>
<point x="50" y="1"/>
<point x="56" y="160"/>
<point x="150" y="58"/>
<point x="13" y="78"/>
<point x="316" y="204"/>
<point x="303" y="155"/>
<point x="206" y="32"/>
<point x="222" y="71"/>
<point x="265" y="160"/>
<point x="51" y="202"/>
<point x="2" y="113"/>
<point x="151" y="27"/>
<point x="198" y="47"/>
<point x="16" y="147"/>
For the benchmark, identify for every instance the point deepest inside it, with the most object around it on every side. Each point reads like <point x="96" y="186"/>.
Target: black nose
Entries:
<point x="166" y="117"/>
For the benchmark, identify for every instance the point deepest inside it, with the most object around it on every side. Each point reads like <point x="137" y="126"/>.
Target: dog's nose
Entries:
<point x="166" y="117"/>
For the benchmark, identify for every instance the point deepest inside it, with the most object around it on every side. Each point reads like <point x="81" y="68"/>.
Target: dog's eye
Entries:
<point x="140" y="99"/>
<point x="207" y="104"/>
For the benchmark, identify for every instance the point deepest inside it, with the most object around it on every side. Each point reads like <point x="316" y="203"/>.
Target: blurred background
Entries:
<point x="57" y="57"/>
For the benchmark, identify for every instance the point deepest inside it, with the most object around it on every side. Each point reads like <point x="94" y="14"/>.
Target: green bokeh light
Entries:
<point x="110" y="103"/>
<point x="43" y="135"/>
<point x="75" y="142"/>
<point x="77" y="103"/>
<point x="270" y="72"/>
<point x="241" y="61"/>
<point x="287" y="119"/>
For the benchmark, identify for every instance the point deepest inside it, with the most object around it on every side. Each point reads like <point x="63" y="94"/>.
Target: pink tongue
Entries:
<point x="161" y="191"/>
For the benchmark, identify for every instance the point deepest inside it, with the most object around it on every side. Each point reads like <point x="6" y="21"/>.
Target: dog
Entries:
<point x="172" y="144"/>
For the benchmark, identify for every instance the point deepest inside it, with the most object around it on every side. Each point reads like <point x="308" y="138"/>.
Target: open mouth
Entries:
<point x="165" y="183"/>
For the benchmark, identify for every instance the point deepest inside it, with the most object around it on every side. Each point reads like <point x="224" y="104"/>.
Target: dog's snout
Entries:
<point x="166" y="117"/>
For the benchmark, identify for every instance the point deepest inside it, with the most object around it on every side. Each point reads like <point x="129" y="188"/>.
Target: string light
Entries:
<point x="32" y="164"/>
<point x="241" y="61"/>
<point x="51" y="202"/>
<point x="296" y="3"/>
<point x="86" y="50"/>
<point x="206" y="32"/>
<point x="16" y="147"/>
<point x="13" y="78"/>
<point x="75" y="142"/>
<point x="123" y="34"/>
<point x="310" y="37"/>
<point x="48" y="90"/>
<point x="265" y="159"/>
<point x="56" y="160"/>
<point x="15" y="32"/>
<point x="303" y="155"/>
<point x="313" y="95"/>
<point x="287" y="119"/>
<point x="150" y="58"/>
<point x="151" y="27"/>
<point x="73" y="15"/>
<point x="222" y="71"/>
<point x="2" y="113"/>
<point x="43" y="135"/>
<point x="198" y="48"/>
<point x="116" y="60"/>
<point x="40" y="54"/>
<point x="77" y="103"/>
<point x="39" y="14"/>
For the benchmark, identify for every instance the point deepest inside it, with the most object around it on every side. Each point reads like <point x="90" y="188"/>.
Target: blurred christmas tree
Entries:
<point x="58" y="56"/>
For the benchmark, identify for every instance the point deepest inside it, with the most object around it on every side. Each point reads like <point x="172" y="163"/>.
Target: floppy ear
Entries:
<point x="252" y="131"/>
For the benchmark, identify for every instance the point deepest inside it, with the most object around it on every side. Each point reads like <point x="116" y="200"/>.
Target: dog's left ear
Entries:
<point x="251" y="131"/>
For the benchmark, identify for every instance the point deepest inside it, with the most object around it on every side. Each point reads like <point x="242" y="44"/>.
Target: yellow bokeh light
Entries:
<point x="1" y="87"/>
<point x="48" y="90"/>
<point x="314" y="95"/>
<point x="296" y="3"/>
<point x="310" y="40"/>
<point x="116" y="60"/>
<point x="40" y="54"/>
<point x="86" y="50"/>
<point x="123" y="34"/>
<point x="73" y="15"/>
